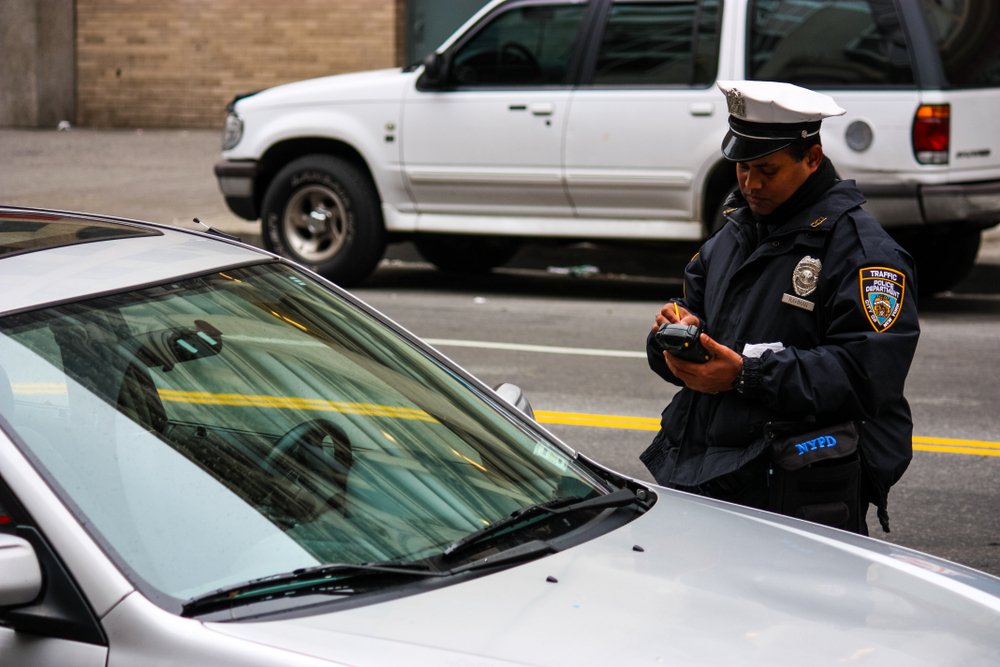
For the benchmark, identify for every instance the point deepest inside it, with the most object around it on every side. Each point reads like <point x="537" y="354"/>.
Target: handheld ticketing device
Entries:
<point x="682" y="341"/>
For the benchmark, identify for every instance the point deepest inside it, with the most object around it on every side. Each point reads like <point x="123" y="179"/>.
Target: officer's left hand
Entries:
<point x="715" y="375"/>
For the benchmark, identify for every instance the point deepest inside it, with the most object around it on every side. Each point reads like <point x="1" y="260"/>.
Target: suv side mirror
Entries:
<point x="435" y="71"/>
<point x="20" y="574"/>
<point x="512" y="394"/>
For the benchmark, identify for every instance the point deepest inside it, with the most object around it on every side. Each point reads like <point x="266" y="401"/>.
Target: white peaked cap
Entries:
<point x="766" y="116"/>
<point x="775" y="102"/>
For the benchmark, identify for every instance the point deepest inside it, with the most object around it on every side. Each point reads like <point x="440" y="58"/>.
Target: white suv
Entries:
<point x="600" y="120"/>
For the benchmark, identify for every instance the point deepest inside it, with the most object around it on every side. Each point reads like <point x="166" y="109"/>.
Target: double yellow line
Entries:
<point x="949" y="445"/>
<point x="981" y="447"/>
<point x="605" y="421"/>
<point x="368" y="409"/>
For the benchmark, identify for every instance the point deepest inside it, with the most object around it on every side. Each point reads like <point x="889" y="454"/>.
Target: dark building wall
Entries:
<point x="37" y="62"/>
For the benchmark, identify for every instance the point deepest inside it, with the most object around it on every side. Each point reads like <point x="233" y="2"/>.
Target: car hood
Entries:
<point x="692" y="582"/>
<point x="371" y="86"/>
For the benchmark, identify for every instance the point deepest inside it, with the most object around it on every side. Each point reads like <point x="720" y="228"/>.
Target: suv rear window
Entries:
<point x="659" y="43"/>
<point x="967" y="39"/>
<point x="828" y="43"/>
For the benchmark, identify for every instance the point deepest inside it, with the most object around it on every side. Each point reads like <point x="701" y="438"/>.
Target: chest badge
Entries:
<point x="804" y="279"/>
<point x="805" y="275"/>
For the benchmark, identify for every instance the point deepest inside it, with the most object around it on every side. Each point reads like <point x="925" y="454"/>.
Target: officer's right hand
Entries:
<point x="674" y="314"/>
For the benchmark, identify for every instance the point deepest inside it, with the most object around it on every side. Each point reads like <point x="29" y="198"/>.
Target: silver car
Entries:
<point x="211" y="456"/>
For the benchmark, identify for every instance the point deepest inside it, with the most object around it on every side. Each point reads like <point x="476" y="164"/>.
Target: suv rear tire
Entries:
<point x="323" y="212"/>
<point x="466" y="254"/>
<point x="944" y="255"/>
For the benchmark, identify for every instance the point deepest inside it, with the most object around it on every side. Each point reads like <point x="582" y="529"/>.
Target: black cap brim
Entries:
<point x="748" y="141"/>
<point x="740" y="149"/>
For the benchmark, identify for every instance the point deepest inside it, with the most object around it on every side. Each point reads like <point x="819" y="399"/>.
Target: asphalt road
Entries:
<point x="947" y="504"/>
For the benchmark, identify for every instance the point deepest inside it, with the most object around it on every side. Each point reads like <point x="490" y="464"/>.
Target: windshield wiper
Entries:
<point x="619" y="498"/>
<point x="332" y="579"/>
<point x="341" y="578"/>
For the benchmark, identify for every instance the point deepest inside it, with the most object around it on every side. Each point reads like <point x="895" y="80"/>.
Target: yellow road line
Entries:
<point x="606" y="421"/>
<point x="923" y="444"/>
<point x="956" y="450"/>
<point x="205" y="398"/>
<point x="961" y="443"/>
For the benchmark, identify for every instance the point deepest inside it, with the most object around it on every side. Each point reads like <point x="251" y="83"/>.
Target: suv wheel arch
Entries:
<point x="719" y="183"/>
<point x="279" y="155"/>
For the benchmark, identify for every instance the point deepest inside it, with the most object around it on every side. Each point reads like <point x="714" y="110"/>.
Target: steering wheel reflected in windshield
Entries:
<point x="306" y="445"/>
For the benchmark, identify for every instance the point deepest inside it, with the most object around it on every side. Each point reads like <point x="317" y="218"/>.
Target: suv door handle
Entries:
<point x="702" y="108"/>
<point x="543" y="108"/>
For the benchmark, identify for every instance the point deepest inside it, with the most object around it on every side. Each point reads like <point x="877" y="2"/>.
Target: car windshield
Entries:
<point x="251" y="422"/>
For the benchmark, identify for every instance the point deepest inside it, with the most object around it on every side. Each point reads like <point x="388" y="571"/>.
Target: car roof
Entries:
<point x="56" y="256"/>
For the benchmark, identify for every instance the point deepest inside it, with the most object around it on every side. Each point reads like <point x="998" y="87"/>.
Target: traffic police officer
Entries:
<point x="808" y="311"/>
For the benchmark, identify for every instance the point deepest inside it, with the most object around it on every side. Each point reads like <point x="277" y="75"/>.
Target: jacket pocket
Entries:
<point x="816" y="476"/>
<point x="736" y="422"/>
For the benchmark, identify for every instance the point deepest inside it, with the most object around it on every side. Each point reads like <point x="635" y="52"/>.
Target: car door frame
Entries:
<point x="686" y="222"/>
<point x="549" y="179"/>
<point x="61" y="623"/>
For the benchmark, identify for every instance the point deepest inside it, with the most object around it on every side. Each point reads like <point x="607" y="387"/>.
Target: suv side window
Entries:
<point x="525" y="46"/>
<point x="659" y="43"/>
<point x="966" y="34"/>
<point x="828" y="43"/>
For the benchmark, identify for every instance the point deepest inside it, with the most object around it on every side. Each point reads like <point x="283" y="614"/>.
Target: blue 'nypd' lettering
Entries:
<point x="816" y="443"/>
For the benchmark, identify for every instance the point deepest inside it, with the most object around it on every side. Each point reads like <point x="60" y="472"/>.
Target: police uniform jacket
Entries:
<point x="846" y="359"/>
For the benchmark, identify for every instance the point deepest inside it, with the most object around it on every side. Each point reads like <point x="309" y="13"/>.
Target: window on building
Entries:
<point x="828" y="43"/>
<point x="525" y="46"/>
<point x="659" y="43"/>
<point x="966" y="33"/>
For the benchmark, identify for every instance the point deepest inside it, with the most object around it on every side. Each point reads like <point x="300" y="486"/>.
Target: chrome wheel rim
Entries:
<point x="315" y="223"/>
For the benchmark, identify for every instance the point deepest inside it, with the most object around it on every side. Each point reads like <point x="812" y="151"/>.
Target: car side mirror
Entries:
<point x="512" y="394"/>
<point x="435" y="72"/>
<point x="20" y="573"/>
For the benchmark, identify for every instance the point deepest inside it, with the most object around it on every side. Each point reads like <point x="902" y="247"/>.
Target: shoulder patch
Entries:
<point x="882" y="292"/>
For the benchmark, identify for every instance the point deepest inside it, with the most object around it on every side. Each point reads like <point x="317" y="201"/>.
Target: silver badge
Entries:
<point x="805" y="275"/>
<point x="737" y="103"/>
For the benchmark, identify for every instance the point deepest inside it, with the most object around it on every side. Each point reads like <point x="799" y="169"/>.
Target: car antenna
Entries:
<point x="215" y="232"/>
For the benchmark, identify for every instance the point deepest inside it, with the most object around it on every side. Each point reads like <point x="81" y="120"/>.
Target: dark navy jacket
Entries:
<point x="842" y="361"/>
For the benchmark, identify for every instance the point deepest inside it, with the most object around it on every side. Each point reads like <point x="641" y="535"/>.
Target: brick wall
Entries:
<point x="177" y="63"/>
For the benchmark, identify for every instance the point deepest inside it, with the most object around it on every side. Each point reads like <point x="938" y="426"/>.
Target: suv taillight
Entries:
<point x="932" y="133"/>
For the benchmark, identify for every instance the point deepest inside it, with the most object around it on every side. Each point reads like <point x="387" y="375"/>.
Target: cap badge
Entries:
<point x="805" y="275"/>
<point x="737" y="103"/>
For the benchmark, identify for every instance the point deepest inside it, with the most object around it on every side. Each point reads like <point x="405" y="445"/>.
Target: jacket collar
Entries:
<point x="842" y="197"/>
